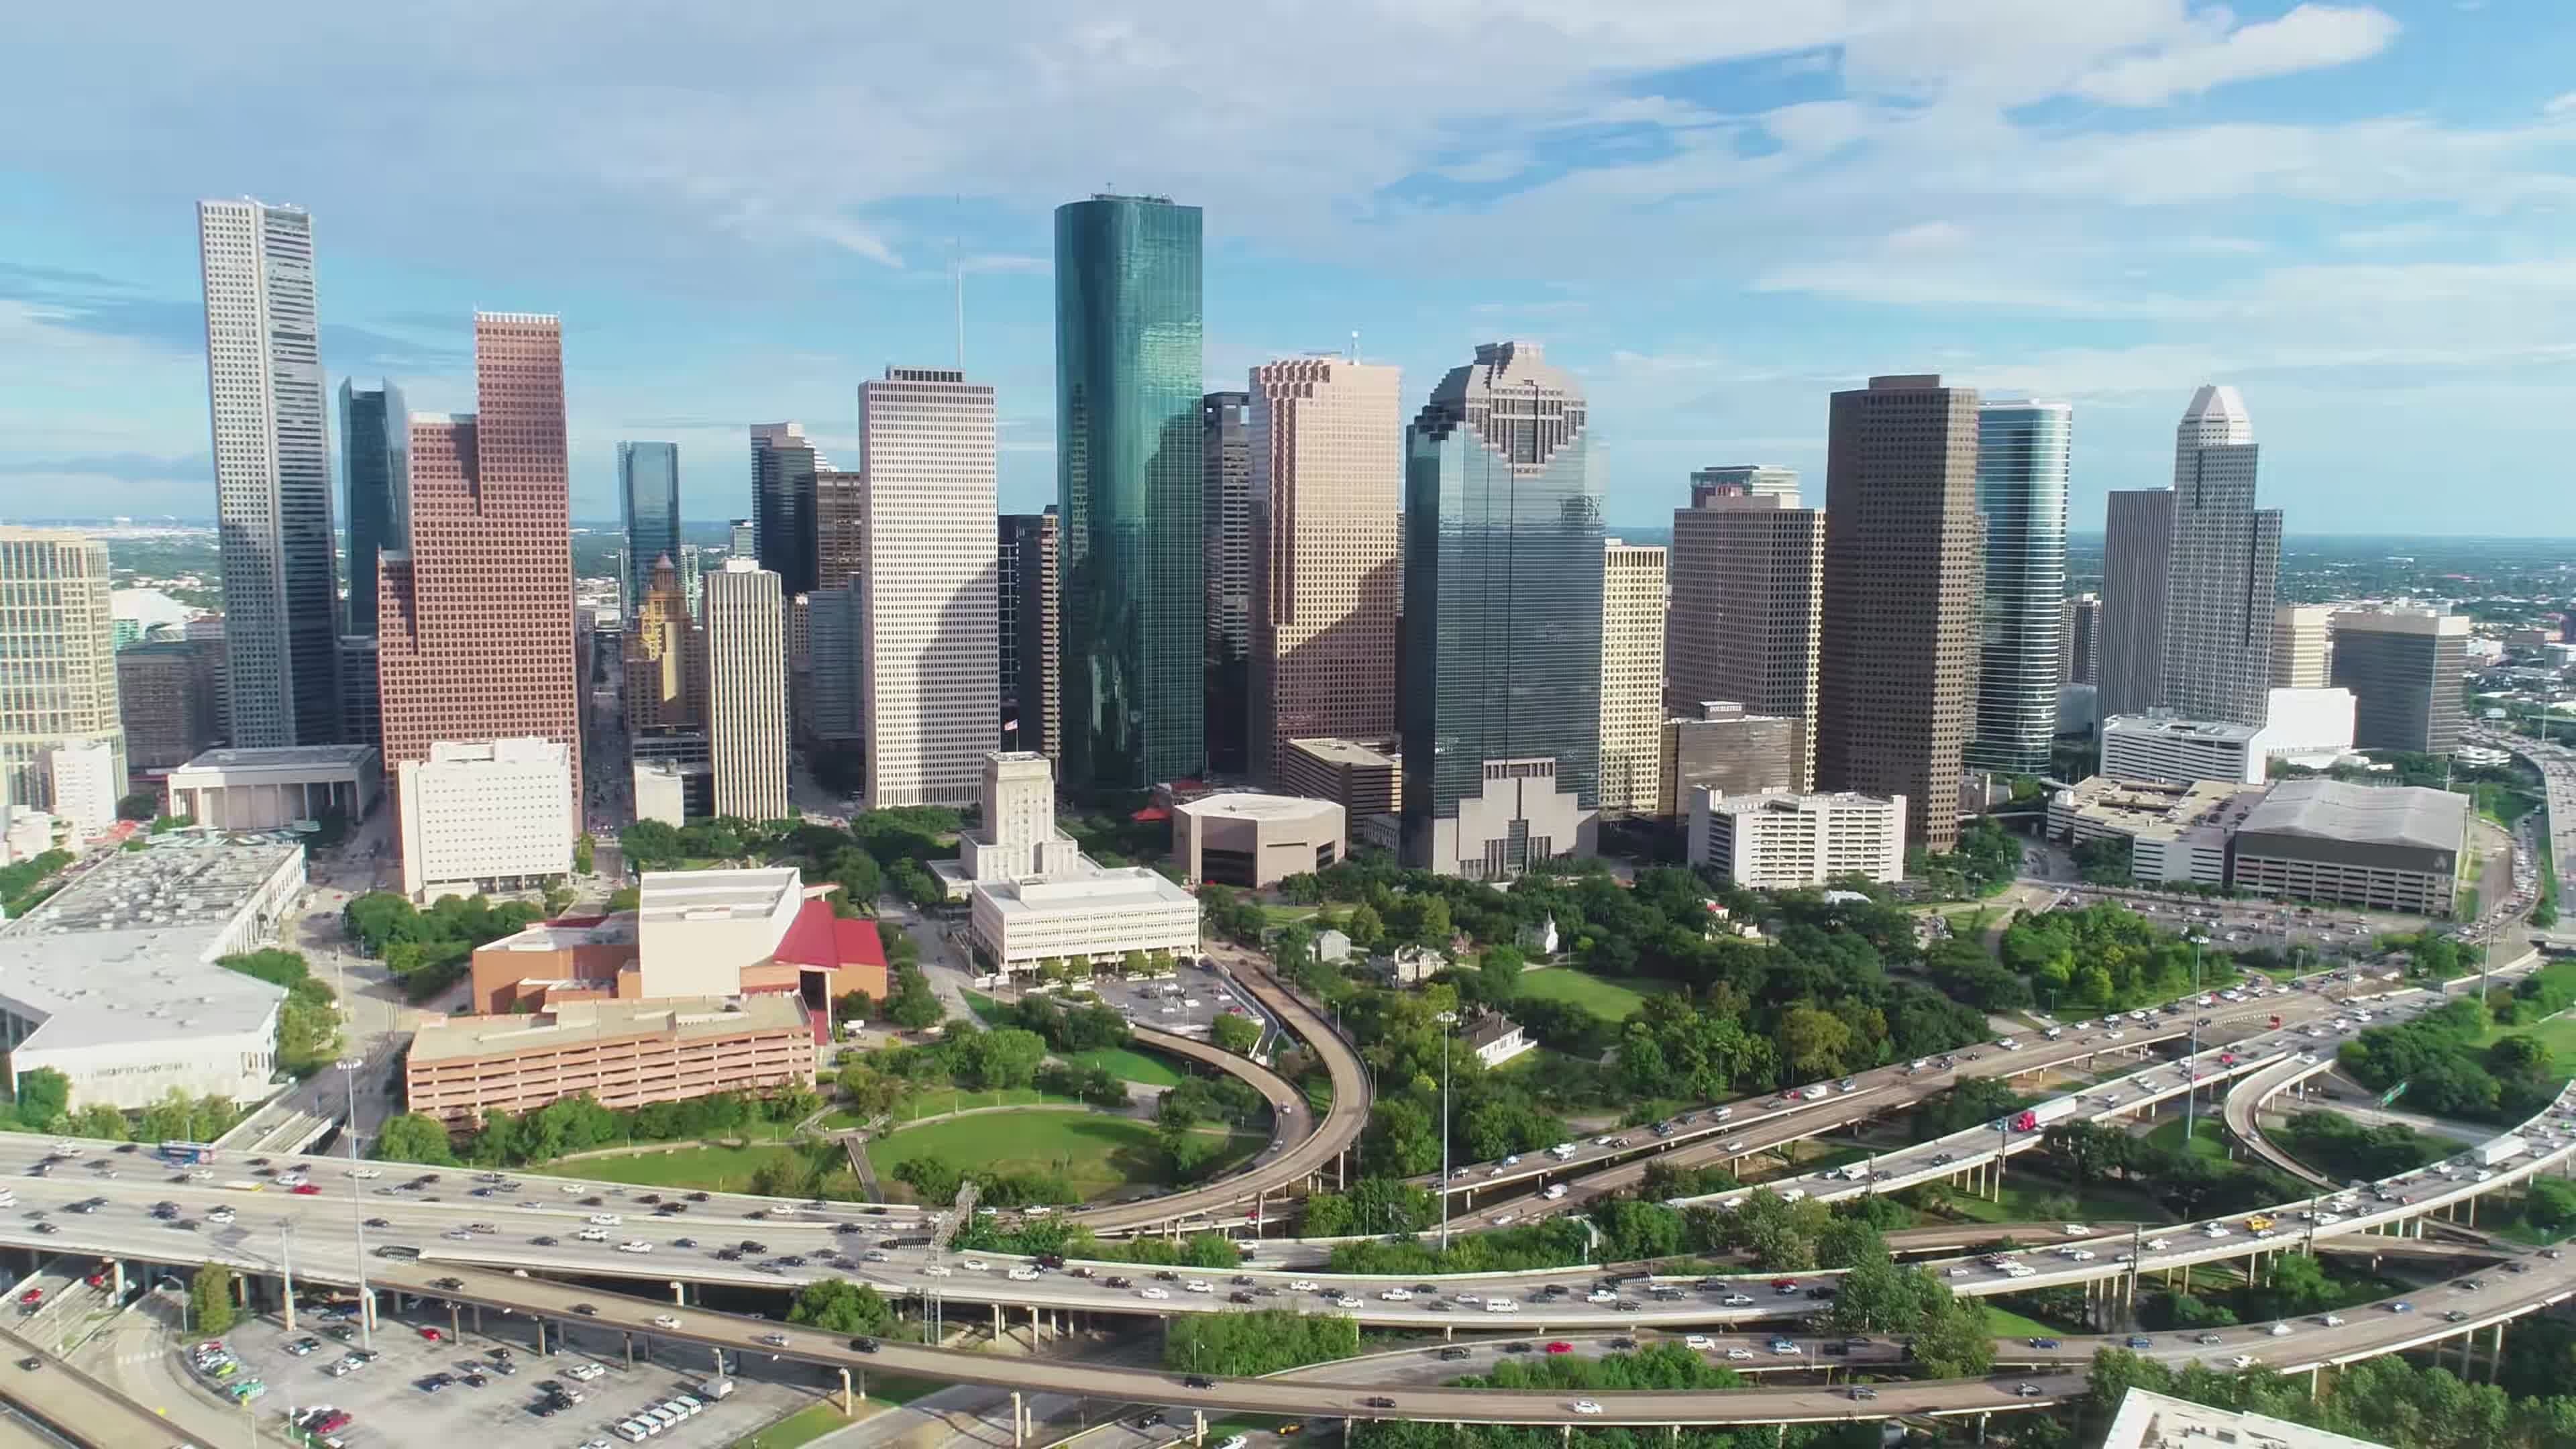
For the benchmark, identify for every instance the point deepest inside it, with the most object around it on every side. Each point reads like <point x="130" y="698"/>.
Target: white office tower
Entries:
<point x="2226" y="562"/>
<point x="486" y="815"/>
<point x="1018" y="839"/>
<point x="1034" y="897"/>
<point x="1632" y="676"/>
<point x="930" y="641"/>
<point x="1778" y="840"/>
<point x="88" y="776"/>
<point x="746" y="637"/>
<point x="272" y="473"/>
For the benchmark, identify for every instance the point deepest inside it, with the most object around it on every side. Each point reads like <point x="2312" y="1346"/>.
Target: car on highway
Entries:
<point x="1585" y="1406"/>
<point x="664" y="1320"/>
<point x="1739" y="1353"/>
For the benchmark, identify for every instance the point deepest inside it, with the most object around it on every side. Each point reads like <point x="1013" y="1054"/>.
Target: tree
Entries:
<point x="584" y="853"/>
<point x="931" y="1179"/>
<point x="1435" y="929"/>
<point x="1236" y="1034"/>
<point x="1260" y="1342"/>
<point x="210" y="1299"/>
<point x="1954" y="1340"/>
<point x="1814" y="1042"/>
<point x="138" y="807"/>
<point x="1365" y="927"/>
<point x="43" y="1095"/>
<point x="414" y="1137"/>
<point x="837" y="1305"/>
<point x="1498" y="975"/>
<point x="913" y="1004"/>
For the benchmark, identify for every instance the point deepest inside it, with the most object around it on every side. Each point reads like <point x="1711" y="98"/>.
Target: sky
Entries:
<point x="1714" y="212"/>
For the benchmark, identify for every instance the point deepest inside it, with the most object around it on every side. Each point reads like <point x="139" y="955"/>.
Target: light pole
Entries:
<point x="357" y="1206"/>
<point x="1447" y="1020"/>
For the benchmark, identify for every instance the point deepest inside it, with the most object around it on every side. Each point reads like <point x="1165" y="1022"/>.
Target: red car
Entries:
<point x="31" y="1297"/>
<point x="331" y="1423"/>
<point x="1783" y="1285"/>
<point x="1560" y="1346"/>
<point x="305" y="1189"/>
<point x="97" y="1279"/>
<point x="433" y="1335"/>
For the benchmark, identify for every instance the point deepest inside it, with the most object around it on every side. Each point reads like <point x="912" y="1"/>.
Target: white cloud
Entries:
<point x="2564" y="103"/>
<point x="2310" y="37"/>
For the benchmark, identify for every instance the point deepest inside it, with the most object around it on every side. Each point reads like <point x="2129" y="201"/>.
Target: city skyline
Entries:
<point x="2072" y="249"/>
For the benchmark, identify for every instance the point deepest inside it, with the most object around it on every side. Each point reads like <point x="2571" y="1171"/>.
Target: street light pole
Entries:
<point x="1447" y="1020"/>
<point x="357" y="1206"/>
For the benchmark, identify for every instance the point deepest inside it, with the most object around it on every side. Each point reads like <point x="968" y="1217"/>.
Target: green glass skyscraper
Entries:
<point x="1127" y="390"/>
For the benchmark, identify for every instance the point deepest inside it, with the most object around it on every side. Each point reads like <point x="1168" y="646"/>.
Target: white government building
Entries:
<point x="1032" y="894"/>
<point x="495" y="813"/>
<point x="1779" y="840"/>
<point x="112" y="982"/>
<point x="2306" y="727"/>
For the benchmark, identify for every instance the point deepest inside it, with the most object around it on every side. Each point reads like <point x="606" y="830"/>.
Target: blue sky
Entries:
<point x="1714" y="211"/>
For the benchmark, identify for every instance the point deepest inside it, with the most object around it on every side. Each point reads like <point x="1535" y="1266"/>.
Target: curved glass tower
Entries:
<point x="1128" y="384"/>
<point x="2022" y="453"/>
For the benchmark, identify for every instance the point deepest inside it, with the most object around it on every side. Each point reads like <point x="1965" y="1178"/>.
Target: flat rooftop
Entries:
<point x="1345" y="752"/>
<point x="286" y="757"/>
<point x="2149" y="1420"/>
<point x="699" y="895"/>
<point x="1125" y="886"/>
<point x="2166" y="727"/>
<point x="2142" y="807"/>
<point x="580" y="1023"/>
<point x="2376" y="815"/>
<point x="1244" y="805"/>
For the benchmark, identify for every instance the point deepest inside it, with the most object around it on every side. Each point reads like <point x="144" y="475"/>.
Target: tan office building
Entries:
<point x="1748" y="572"/>
<point x="57" y="631"/>
<point x="747" y="690"/>
<point x="1363" y="779"/>
<point x="1632" y="676"/>
<point x="2302" y="645"/>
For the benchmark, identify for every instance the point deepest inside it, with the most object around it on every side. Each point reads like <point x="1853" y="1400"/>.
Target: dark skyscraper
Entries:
<point x="1899" y="647"/>
<point x="2137" y="565"/>
<point x="1500" y="695"/>
<point x="1225" y="525"/>
<point x="783" y="465"/>
<point x="1032" y="625"/>
<point x="2023" y="452"/>
<point x="648" y="487"/>
<point x="1128" y="386"/>
<point x="374" y="432"/>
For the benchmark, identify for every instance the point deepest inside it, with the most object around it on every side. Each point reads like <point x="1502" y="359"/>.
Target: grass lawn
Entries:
<point x="2005" y="1323"/>
<point x="943" y="1100"/>
<point x="714" y="1169"/>
<point x="984" y="1007"/>
<point x="1130" y="1066"/>
<point x="2208" y="1139"/>
<point x="818" y="1419"/>
<point x="1607" y="997"/>
<point x="2097" y="1204"/>
<point x="1282" y="915"/>
<point x="1097" y="1153"/>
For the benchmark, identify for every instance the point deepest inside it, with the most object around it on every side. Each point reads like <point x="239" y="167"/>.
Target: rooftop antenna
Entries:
<point x="1355" y="344"/>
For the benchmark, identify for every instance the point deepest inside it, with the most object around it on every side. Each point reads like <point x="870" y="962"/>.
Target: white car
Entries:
<point x="1200" y="1285"/>
<point x="220" y="1215"/>
<point x="877" y="1255"/>
<point x="363" y="1174"/>
<point x="605" y="1220"/>
<point x="1739" y="1353"/>
<point x="939" y="1270"/>
<point x="1601" y="1295"/>
<point x="974" y="1265"/>
<point x="1699" y="1340"/>
<point x="1305" y="1285"/>
<point x="1157" y="1293"/>
<point x="1395" y="1295"/>
<point x="1554" y="1191"/>
<point x="1024" y="1275"/>
<point x="2281" y="1330"/>
<point x="1736" y="1300"/>
<point x="2243" y="1361"/>
<point x="2081" y="1255"/>
<point x="1502" y="1305"/>
<point x="635" y="1245"/>
<point x="2078" y="1230"/>
<point x="587" y="1235"/>
<point x="1346" y="1300"/>
<point x="2215" y="1230"/>
<point x="1585" y="1406"/>
<point x="664" y="1320"/>
<point x="2158" y="1245"/>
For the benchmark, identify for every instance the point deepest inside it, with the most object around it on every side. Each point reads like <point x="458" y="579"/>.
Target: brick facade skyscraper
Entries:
<point x="1902" y="577"/>
<point x="475" y="617"/>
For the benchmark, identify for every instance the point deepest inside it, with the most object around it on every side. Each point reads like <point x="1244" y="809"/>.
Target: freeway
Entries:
<point x="72" y="1404"/>
<point x="2245" y="1100"/>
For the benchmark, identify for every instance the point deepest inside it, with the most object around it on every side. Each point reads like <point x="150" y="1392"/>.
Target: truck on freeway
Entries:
<point x="2043" y="1114"/>
<point x="2502" y="1149"/>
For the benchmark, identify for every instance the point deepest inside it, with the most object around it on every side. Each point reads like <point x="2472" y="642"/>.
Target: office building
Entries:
<point x="1225" y="586"/>
<point x="783" y="469"/>
<point x="1256" y="841"/>
<point x="1500" y="698"/>
<point x="746" y="647"/>
<point x="1032" y="632"/>
<point x="840" y="527"/>
<point x="57" y="657"/>
<point x="1632" y="676"/>
<point x="375" y="475"/>
<point x="272" y="471"/>
<point x="2378" y="848"/>
<point x="2302" y="645"/>
<point x="648" y="490"/>
<point x="2023" y="451"/>
<point x="836" y="696"/>
<point x="1129" y="478"/>
<point x="482" y="592"/>
<point x="1365" y="780"/>
<point x="742" y="535"/>
<point x="1327" y="464"/>
<point x="2226" y="562"/>
<point x="206" y="632"/>
<point x="2137" y="568"/>
<point x="485" y="815"/>
<point x="929" y="636"/>
<point x="1783" y="841"/>
<point x="254" y="789"/>
<point x="2178" y="833"/>
<point x="1898" y="654"/>
<point x="661" y="792"/>
<point x="112" y="981"/>
<point x="362" y="720"/>
<point x="2180" y="751"/>
<point x="666" y="668"/>
<point x="162" y="703"/>
<point x="1032" y="895"/>
<point x="1748" y="576"/>
<point x="1722" y="749"/>
<point x="2404" y="667"/>
<point x="86" y="779"/>
<point x="2079" y="653"/>
<point x="1745" y="480"/>
<point x="2149" y="1420"/>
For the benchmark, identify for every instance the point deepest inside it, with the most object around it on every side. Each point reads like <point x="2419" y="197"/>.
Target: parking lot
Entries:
<point x="389" y="1406"/>
<point x="1185" y="1004"/>
<point x="2256" y="925"/>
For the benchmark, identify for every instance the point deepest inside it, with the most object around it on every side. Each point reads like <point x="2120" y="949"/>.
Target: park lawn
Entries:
<point x="940" y="1101"/>
<point x="1129" y="1065"/>
<point x="816" y="1420"/>
<point x="986" y="1009"/>
<point x="1097" y="1153"/>
<point x="1284" y="915"/>
<point x="712" y="1169"/>
<point x="1611" y="998"/>
<point x="2095" y="1205"/>
<point x="2208" y="1139"/>
<point x="2004" y="1323"/>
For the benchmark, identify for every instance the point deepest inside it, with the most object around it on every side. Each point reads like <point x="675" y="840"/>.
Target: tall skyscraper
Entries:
<point x="272" y="472"/>
<point x="746" y="640"/>
<point x="836" y="711"/>
<point x="2302" y="645"/>
<point x="374" y="437"/>
<point x="648" y="489"/>
<point x="1632" y="676"/>
<point x="1899" y="651"/>
<point x="2023" y="453"/>
<point x="1031" y="631"/>
<point x="2404" y="668"/>
<point x="783" y="465"/>
<point x="1225" y="529"/>
<point x="1500" y="698"/>
<point x="1327" y="469"/>
<point x="692" y="571"/>
<point x="930" y="650"/>
<point x="840" y="527"/>
<point x="1127" y="377"/>
<point x="1748" y="589"/>
<point x="2137" y="568"/>
<point x="2226" y="563"/>
<point x="475" y="614"/>
<point x="666" y="674"/>
<point x="2079" y="655"/>
<point x="1749" y="480"/>
<point x="57" y="658"/>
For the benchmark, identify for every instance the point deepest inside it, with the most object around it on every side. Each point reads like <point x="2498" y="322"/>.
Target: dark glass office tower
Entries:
<point x="2023" y="456"/>
<point x="1500" y="695"/>
<point x="783" y="465"/>
<point x="373" y="436"/>
<point x="648" y="486"/>
<point x="1225" y="532"/>
<point x="1127" y="370"/>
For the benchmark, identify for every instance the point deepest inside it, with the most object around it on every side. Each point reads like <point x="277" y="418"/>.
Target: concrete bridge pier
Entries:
<point x="1019" y="1419"/>
<point x="541" y="1336"/>
<point x="997" y="1323"/>
<point x="680" y="1292"/>
<point x="630" y="1349"/>
<point x="455" y="1333"/>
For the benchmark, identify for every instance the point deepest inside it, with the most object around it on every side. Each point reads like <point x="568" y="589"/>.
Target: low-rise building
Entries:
<point x="1032" y="896"/>
<point x="88" y="780"/>
<point x="1255" y="841"/>
<point x="272" y="789"/>
<point x="2179" y="751"/>
<point x="623" y="1054"/>
<point x="2381" y="848"/>
<point x="661" y="793"/>
<point x="2177" y="833"/>
<point x="1779" y="840"/>
<point x="1495" y="1038"/>
<point x="486" y="815"/>
<point x="2309" y="728"/>
<point x="1364" y="779"/>
<point x="1722" y="748"/>
<point x="2149" y="1420"/>
<point x="113" y="981"/>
